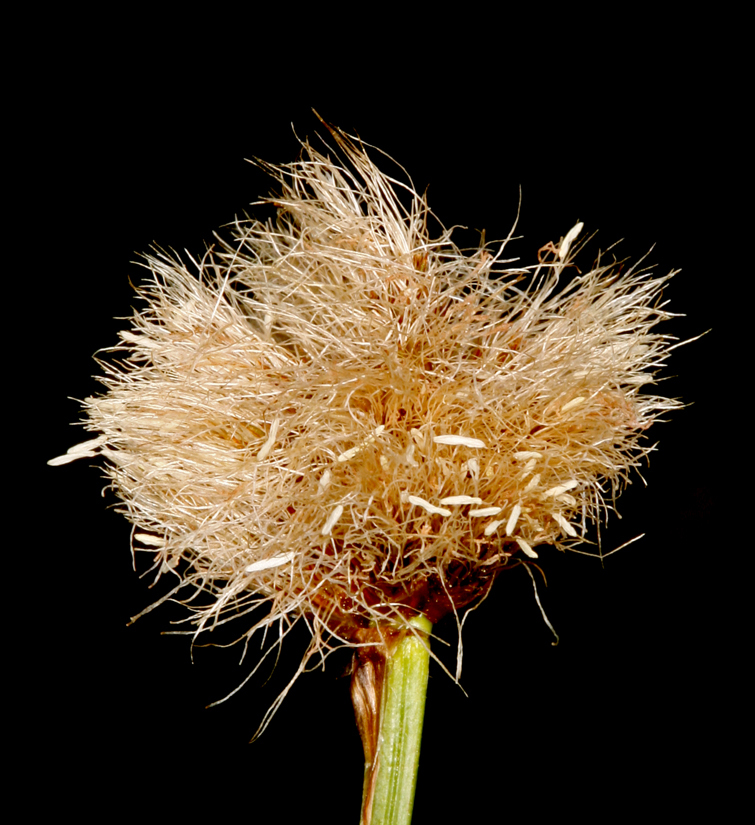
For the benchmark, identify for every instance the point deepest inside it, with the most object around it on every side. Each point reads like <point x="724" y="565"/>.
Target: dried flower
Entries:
<point x="353" y="423"/>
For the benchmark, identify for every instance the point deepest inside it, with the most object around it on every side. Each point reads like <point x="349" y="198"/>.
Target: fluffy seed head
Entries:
<point x="341" y="417"/>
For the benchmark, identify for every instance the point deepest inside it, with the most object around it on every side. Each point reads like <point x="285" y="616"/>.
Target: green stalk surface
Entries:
<point x="402" y="711"/>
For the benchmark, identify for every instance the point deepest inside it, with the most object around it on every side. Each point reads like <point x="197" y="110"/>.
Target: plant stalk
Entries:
<point x="388" y="690"/>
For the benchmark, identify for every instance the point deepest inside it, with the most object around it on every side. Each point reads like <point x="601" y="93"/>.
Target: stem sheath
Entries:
<point x="392" y="755"/>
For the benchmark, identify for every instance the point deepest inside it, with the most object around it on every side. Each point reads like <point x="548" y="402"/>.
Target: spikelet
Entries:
<point x="344" y="419"/>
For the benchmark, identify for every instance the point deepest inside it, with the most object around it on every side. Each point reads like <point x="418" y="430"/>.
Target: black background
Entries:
<point x="627" y="691"/>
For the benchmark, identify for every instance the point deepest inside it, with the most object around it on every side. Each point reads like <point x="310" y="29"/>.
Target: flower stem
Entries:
<point x="388" y="691"/>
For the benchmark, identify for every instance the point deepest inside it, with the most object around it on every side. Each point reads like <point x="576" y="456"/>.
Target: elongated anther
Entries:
<point x="332" y="519"/>
<point x="513" y="518"/>
<point x="458" y="440"/>
<point x="267" y="564"/>
<point x="431" y="508"/>
<point x="461" y="500"/>
<point x="526" y="548"/>
<point x="485" y="511"/>
<point x="564" y="524"/>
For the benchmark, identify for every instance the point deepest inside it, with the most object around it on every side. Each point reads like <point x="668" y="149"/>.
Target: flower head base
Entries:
<point x="353" y="422"/>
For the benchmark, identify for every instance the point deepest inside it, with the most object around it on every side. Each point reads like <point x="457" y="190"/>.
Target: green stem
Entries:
<point x="393" y="761"/>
